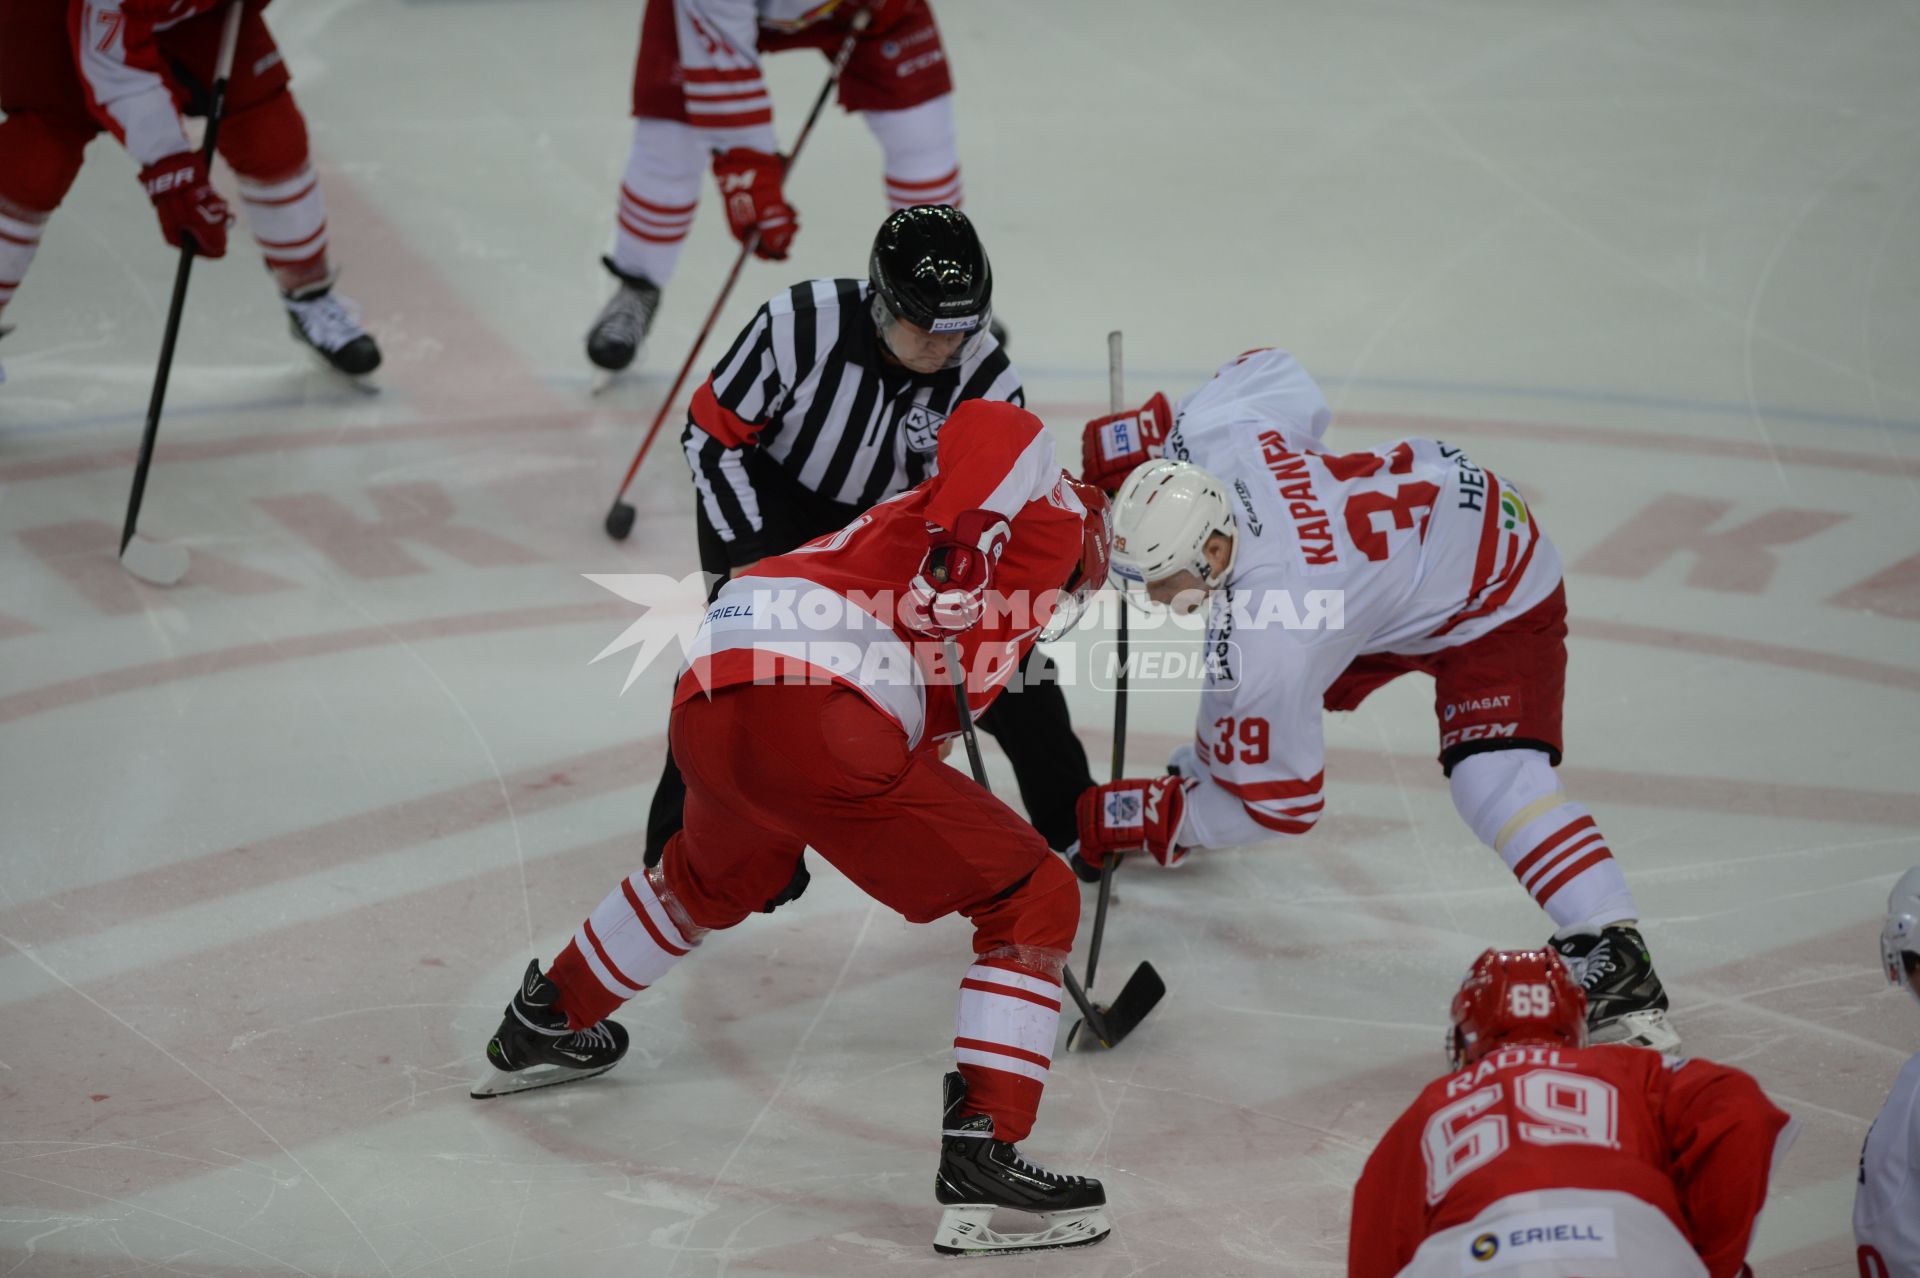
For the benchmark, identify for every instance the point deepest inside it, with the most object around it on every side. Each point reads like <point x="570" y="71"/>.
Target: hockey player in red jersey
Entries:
<point x="811" y="715"/>
<point x="70" y="69"/>
<point x="699" y="98"/>
<point x="1539" y="1155"/>
<point x="1325" y="577"/>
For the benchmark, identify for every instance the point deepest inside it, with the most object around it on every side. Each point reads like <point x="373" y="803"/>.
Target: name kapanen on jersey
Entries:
<point x="1295" y="482"/>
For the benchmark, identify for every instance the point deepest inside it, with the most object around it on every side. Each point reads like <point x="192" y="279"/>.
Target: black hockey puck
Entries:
<point x="619" y="521"/>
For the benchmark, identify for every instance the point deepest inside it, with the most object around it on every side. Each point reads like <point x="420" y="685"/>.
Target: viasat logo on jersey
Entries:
<point x="1493" y="701"/>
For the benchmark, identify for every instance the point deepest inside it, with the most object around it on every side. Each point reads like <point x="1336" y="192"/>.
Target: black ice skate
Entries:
<point x="534" y="1048"/>
<point x="623" y="322"/>
<point x="1625" y="1001"/>
<point x="979" y="1174"/>
<point x="325" y="323"/>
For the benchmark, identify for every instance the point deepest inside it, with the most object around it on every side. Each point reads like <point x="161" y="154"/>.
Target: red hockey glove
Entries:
<point x="1110" y="447"/>
<point x="750" y="186"/>
<point x="1129" y="816"/>
<point x="949" y="594"/>
<point x="188" y="206"/>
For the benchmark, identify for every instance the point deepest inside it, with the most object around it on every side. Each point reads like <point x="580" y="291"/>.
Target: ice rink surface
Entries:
<point x="274" y="845"/>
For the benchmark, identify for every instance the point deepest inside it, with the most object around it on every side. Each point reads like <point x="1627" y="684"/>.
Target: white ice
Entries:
<point x="275" y="844"/>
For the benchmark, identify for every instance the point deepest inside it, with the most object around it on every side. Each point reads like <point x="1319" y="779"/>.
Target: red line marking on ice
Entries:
<point x="442" y="814"/>
<point x="152" y="674"/>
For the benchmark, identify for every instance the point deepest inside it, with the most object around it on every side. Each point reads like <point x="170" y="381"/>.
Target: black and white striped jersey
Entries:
<point x="805" y="400"/>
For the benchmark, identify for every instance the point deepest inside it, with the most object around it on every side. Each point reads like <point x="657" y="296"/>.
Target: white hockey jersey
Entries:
<point x="726" y="94"/>
<point x="1409" y="548"/>
<point x="1886" y="1205"/>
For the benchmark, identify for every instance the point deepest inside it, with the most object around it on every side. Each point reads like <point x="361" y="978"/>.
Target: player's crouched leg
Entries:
<point x="39" y="158"/>
<point x="1009" y="1010"/>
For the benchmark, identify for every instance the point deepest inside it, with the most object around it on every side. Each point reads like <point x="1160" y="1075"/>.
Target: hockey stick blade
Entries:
<point x="156" y="563"/>
<point x="1139" y="996"/>
<point x="619" y="521"/>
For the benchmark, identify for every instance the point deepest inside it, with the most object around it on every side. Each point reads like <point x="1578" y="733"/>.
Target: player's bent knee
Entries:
<point x="265" y="141"/>
<point x="1036" y="921"/>
<point x="1498" y="792"/>
<point x="43" y="157"/>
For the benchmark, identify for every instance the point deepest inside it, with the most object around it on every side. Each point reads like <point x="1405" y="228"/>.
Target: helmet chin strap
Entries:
<point x="1212" y="580"/>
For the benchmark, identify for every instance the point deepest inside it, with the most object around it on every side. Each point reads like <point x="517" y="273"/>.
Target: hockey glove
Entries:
<point x="1141" y="814"/>
<point x="1110" y="447"/>
<point x="190" y="210"/>
<point x="948" y="596"/>
<point x="750" y="187"/>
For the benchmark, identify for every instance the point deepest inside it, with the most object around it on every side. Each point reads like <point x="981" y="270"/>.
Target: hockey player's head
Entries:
<point x="1174" y="534"/>
<point x="932" y="287"/>
<point x="1091" y="569"/>
<point x="1512" y="997"/>
<point x="1900" y="936"/>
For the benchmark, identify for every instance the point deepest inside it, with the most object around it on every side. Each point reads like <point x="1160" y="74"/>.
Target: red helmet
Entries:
<point x="1090" y="573"/>
<point x="1515" y="996"/>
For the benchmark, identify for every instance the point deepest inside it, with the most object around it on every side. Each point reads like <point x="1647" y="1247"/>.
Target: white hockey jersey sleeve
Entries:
<point x="1886" y="1203"/>
<point x="725" y="93"/>
<point x="120" y="69"/>
<point x="1257" y="763"/>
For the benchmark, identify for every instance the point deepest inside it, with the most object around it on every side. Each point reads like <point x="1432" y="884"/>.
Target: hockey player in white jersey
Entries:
<point x="1886" y="1206"/>
<point x="1325" y="577"/>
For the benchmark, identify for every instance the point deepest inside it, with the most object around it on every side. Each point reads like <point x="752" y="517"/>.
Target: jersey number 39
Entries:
<point x="1555" y="1108"/>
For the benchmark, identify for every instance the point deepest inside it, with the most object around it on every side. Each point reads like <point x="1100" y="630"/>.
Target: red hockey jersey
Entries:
<point x="1694" y="1139"/>
<point x="828" y="611"/>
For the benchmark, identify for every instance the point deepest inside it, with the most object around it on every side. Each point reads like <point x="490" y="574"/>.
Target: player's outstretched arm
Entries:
<point x="1726" y="1138"/>
<point x="992" y="456"/>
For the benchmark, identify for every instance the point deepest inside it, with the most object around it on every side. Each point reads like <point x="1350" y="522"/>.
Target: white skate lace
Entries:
<point x="1022" y="1162"/>
<point x="1596" y="966"/>
<point x="594" y="1036"/>
<point x="328" y="322"/>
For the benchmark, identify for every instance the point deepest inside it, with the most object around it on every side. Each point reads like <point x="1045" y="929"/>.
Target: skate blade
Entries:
<point x="1639" y="1029"/>
<point x="603" y="379"/>
<point x="500" y="1082"/>
<point x="156" y="563"/>
<point x="967" y="1230"/>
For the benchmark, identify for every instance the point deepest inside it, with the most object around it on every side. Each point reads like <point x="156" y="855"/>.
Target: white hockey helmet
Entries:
<point x="1900" y="937"/>
<point x="1162" y="518"/>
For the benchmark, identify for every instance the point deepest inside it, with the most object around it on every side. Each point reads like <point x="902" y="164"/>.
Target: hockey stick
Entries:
<point x="1111" y="1024"/>
<point x="1119" y="703"/>
<point x="620" y="516"/>
<point x="151" y="561"/>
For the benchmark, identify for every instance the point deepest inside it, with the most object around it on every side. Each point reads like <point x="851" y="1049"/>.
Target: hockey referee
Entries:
<point x="831" y="400"/>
